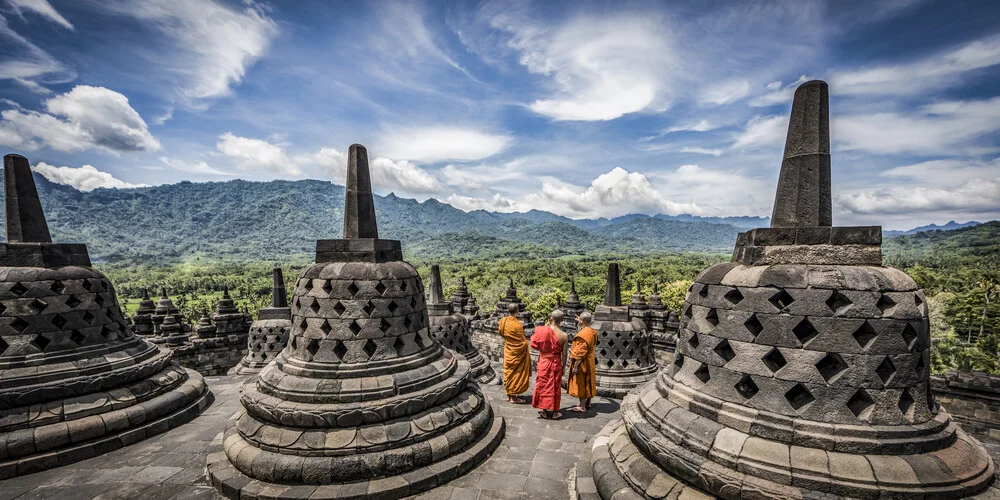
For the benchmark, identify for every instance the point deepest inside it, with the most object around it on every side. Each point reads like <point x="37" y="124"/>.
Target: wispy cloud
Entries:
<point x="42" y="8"/>
<point x="440" y="143"/>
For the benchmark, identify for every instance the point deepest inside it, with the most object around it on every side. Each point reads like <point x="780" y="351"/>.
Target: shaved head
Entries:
<point x="585" y="318"/>
<point x="512" y="308"/>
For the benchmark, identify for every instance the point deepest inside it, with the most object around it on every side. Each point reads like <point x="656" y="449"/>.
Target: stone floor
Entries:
<point x="536" y="459"/>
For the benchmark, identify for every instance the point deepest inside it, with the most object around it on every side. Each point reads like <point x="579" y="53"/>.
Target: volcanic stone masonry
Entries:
<point x="143" y="317"/>
<point x="269" y="334"/>
<point x="623" y="354"/>
<point x="801" y="368"/>
<point x="362" y="403"/>
<point x="485" y="333"/>
<point x="663" y="325"/>
<point x="572" y="307"/>
<point x="452" y="330"/>
<point x="462" y="302"/>
<point x="76" y="381"/>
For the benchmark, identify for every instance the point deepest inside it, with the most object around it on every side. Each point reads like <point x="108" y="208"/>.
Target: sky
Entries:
<point x="583" y="109"/>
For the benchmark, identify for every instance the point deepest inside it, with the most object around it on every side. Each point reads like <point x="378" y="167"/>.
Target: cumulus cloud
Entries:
<point x="762" y="131"/>
<point x="83" y="118"/>
<point x="433" y="144"/>
<point x="725" y="93"/>
<point x="399" y="176"/>
<point x="42" y="8"/>
<point x="256" y="155"/>
<point x="85" y="178"/>
<point x="495" y="203"/>
<point x="214" y="44"/>
<point x="194" y="167"/>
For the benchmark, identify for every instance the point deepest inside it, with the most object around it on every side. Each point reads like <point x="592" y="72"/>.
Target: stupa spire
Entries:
<point x="803" y="196"/>
<point x="25" y="219"/>
<point x="437" y="292"/>
<point x="278" y="296"/>
<point x="613" y="291"/>
<point x="359" y="204"/>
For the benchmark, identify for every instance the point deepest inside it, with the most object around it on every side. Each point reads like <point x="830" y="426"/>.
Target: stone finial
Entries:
<point x="803" y="196"/>
<point x="359" y="204"/>
<point x="163" y="293"/>
<point x="278" y="296"/>
<point x="225" y="292"/>
<point x="145" y="294"/>
<point x="612" y="291"/>
<point x="437" y="292"/>
<point x="25" y="219"/>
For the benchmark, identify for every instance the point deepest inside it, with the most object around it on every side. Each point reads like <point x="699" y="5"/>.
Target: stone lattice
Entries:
<point x="802" y="367"/>
<point x="269" y="334"/>
<point x="663" y="325"/>
<point x="76" y="381"/>
<point x="623" y="353"/>
<point x="363" y="402"/>
<point x="452" y="330"/>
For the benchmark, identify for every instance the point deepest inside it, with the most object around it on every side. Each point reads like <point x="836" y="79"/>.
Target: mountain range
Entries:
<point x="280" y="219"/>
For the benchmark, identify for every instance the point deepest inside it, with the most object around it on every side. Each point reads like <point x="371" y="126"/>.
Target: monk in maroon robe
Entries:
<point x="550" y="342"/>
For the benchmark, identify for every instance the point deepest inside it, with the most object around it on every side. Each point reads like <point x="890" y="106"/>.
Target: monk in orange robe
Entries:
<point x="582" y="381"/>
<point x="550" y="342"/>
<point x="516" y="361"/>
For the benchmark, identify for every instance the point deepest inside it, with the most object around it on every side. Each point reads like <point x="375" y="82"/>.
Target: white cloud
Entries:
<point x="762" y="131"/>
<point x="214" y="44"/>
<point x="194" y="167"/>
<point x="495" y="203"/>
<point x="83" y="118"/>
<point x="725" y="93"/>
<point x="85" y="178"/>
<point x="775" y="85"/>
<point x="779" y="94"/>
<point x="699" y="126"/>
<point x="946" y="171"/>
<point x="433" y="144"/>
<point x="974" y="196"/>
<point x="717" y="191"/>
<point x="401" y="176"/>
<point x="935" y="71"/>
<point x="24" y="62"/>
<point x="701" y="151"/>
<point x="44" y="9"/>
<point x="256" y="155"/>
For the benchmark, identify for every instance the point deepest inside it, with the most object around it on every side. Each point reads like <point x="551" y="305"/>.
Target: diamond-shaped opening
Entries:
<point x="407" y="323"/>
<point x="326" y="328"/>
<point x="693" y="341"/>
<point x="886" y="369"/>
<point x="370" y="348"/>
<point x="746" y="387"/>
<point x="315" y="307"/>
<point x="384" y="326"/>
<point x="604" y="353"/>
<point x="837" y="302"/>
<point x="59" y="321"/>
<point x="917" y="300"/>
<point x="864" y="334"/>
<point x="380" y="288"/>
<point x="909" y="335"/>
<point x="610" y="363"/>
<point x="58" y="287"/>
<point x="308" y="285"/>
<point x="618" y="335"/>
<point x="678" y="360"/>
<point x="294" y="344"/>
<point x="885" y="303"/>
<point x="99" y="300"/>
<point x="399" y="345"/>
<point x="339" y="308"/>
<point x="87" y="285"/>
<point x="2" y="308"/>
<point x="774" y="360"/>
<point x="312" y="348"/>
<point x="77" y="337"/>
<point x="781" y="300"/>
<point x="918" y="367"/>
<point x="413" y="302"/>
<point x="831" y="367"/>
<point x="702" y="373"/>
<point x="355" y="328"/>
<point x="905" y="402"/>
<point x="72" y="301"/>
<point x="392" y="307"/>
<point x="369" y="308"/>
<point x="327" y="287"/>
<point x="712" y="317"/>
<point x="805" y="331"/>
<point x="860" y="402"/>
<point x="403" y="285"/>
<point x="40" y="342"/>
<point x="19" y="289"/>
<point x="353" y="289"/>
<point x="687" y="312"/>
<point x="19" y="325"/>
<point x="3" y="346"/>
<point x="339" y="350"/>
<point x="798" y="396"/>
<point x="624" y="363"/>
<point x="752" y="324"/>
<point x="704" y="291"/>
<point x="38" y="305"/>
<point x="421" y="341"/>
<point x="724" y="350"/>
<point x="734" y="296"/>
<point x="88" y="318"/>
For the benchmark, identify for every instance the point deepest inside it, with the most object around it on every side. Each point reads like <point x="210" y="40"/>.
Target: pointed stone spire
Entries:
<point x="612" y="291"/>
<point x="437" y="292"/>
<point x="225" y="292"/>
<point x="572" y="298"/>
<point x="359" y="204"/>
<point x="25" y="219"/>
<point x="278" y="296"/>
<point x="803" y="196"/>
<point x="655" y="302"/>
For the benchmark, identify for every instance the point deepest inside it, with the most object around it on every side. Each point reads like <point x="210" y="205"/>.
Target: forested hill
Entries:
<point x="275" y="220"/>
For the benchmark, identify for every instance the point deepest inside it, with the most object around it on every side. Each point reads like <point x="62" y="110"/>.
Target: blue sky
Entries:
<point x="583" y="109"/>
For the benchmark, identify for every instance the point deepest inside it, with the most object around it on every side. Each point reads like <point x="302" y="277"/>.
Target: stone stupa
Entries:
<point x="143" y="317"/>
<point x="463" y="302"/>
<point x="801" y="369"/>
<point x="452" y="330"/>
<point x="362" y="403"/>
<point x="269" y="333"/>
<point x="623" y="354"/>
<point x="76" y="381"/>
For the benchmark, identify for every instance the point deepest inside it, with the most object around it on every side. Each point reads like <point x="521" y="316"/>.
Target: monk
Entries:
<point x="516" y="361"/>
<point x="582" y="382"/>
<point x="550" y="342"/>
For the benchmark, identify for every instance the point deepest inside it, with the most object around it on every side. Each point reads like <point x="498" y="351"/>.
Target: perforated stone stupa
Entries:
<point x="76" y="381"/>
<point x="623" y="354"/>
<point x="452" y="330"/>
<point x="801" y="366"/>
<point x="462" y="302"/>
<point x="269" y="334"/>
<point x="362" y="402"/>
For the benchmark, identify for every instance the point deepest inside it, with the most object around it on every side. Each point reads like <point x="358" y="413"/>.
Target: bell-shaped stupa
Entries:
<point x="269" y="333"/>
<point x="143" y="317"/>
<point x="452" y="330"/>
<point x="623" y="354"/>
<point x="76" y="381"/>
<point x="362" y="403"/>
<point x="802" y="366"/>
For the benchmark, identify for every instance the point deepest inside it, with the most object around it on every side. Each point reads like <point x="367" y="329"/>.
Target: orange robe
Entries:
<point x="548" y="382"/>
<point x="583" y="385"/>
<point x="516" y="361"/>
